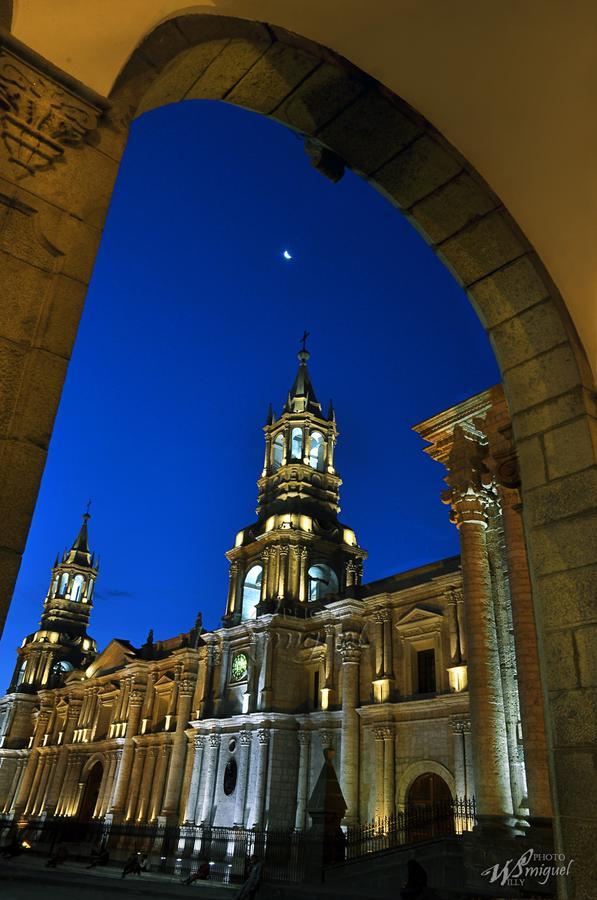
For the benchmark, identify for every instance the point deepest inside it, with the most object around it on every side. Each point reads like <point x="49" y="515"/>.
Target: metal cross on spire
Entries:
<point x="304" y="340"/>
<point x="87" y="513"/>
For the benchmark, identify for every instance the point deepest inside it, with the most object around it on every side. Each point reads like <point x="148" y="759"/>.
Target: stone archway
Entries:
<point x="53" y="201"/>
<point x="420" y="769"/>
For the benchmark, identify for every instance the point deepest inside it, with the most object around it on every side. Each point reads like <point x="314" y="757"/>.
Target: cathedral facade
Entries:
<point x="415" y="680"/>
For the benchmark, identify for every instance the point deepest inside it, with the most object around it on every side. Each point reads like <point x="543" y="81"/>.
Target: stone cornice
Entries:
<point x="441" y="706"/>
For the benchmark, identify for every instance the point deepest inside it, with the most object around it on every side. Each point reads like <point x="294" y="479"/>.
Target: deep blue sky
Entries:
<point x="191" y="327"/>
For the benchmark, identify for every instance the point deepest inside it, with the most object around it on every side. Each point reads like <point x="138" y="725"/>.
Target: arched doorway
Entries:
<point x="429" y="808"/>
<point x="544" y="368"/>
<point x="91" y="792"/>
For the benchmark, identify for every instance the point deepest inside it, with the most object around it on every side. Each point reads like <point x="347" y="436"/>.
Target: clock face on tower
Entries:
<point x="240" y="665"/>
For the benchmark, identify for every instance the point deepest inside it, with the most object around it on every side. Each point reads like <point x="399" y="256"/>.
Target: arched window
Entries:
<point x="55" y="586"/>
<point x="316" y="451"/>
<point x="77" y="588"/>
<point x="89" y="590"/>
<point x="63" y="584"/>
<point x="59" y="669"/>
<point x="251" y="592"/>
<point x="278" y="454"/>
<point x="322" y="581"/>
<point x="296" y="443"/>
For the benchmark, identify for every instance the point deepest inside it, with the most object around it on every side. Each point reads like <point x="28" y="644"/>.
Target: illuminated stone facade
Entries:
<point x="414" y="676"/>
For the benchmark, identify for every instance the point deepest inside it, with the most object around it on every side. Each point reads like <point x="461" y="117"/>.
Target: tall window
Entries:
<point x="21" y="674"/>
<point x="322" y="581"/>
<point x="296" y="443"/>
<point x="426" y="671"/>
<point x="63" y="584"/>
<point x="77" y="588"/>
<point x="251" y="592"/>
<point x="278" y="454"/>
<point x="55" y="586"/>
<point x="316" y="450"/>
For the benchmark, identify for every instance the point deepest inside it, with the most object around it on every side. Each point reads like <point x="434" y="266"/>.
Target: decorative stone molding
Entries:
<point x="245" y="738"/>
<point x="39" y="119"/>
<point x="460" y="725"/>
<point x="303" y="737"/>
<point x="199" y="742"/>
<point x="186" y="687"/>
<point x="327" y="738"/>
<point x="136" y="698"/>
<point x="263" y="735"/>
<point x="215" y="740"/>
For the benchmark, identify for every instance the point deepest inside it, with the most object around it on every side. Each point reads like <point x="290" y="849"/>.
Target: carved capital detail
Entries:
<point x="460" y="725"/>
<point x="245" y="738"/>
<point x="39" y="119"/>
<point x="136" y="698"/>
<point x="199" y="742"/>
<point x="349" y="647"/>
<point x="215" y="741"/>
<point x="263" y="736"/>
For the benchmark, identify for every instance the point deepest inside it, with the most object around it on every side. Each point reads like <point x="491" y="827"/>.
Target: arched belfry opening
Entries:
<point x="349" y="120"/>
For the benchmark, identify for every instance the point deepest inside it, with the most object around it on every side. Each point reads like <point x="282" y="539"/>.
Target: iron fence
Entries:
<point x="172" y="850"/>
<point x="410" y="826"/>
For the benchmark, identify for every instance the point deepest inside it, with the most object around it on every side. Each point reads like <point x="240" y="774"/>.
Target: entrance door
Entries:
<point x="91" y="792"/>
<point x="429" y="808"/>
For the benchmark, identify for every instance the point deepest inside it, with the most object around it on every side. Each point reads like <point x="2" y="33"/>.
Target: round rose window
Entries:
<point x="240" y="665"/>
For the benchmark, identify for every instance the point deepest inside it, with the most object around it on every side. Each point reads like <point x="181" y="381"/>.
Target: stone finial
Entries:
<point x="327" y="799"/>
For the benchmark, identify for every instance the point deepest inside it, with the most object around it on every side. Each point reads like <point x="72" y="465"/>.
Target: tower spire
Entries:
<point x="302" y="397"/>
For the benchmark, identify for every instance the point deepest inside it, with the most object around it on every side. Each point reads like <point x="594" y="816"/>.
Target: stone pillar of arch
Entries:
<point x="302" y="589"/>
<point x="468" y="499"/>
<point x="135" y="783"/>
<point x="191" y="804"/>
<point x="267" y="662"/>
<point x="378" y="734"/>
<point x="26" y="785"/>
<point x="389" y="772"/>
<point x="159" y="780"/>
<point x="106" y="793"/>
<point x="55" y="790"/>
<point x="350" y="650"/>
<point x="232" y="588"/>
<point x="146" y="783"/>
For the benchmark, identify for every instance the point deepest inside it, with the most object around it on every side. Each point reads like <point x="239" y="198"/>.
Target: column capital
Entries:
<point x="136" y="697"/>
<point x="349" y="647"/>
<point x="303" y="737"/>
<point x="460" y="724"/>
<point x="215" y="740"/>
<point x="245" y="738"/>
<point x="186" y="687"/>
<point x="263" y="736"/>
<point x="326" y="737"/>
<point x="199" y="742"/>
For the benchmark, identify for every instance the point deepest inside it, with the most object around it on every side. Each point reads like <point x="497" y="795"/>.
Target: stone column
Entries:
<point x="14" y="785"/>
<point x="302" y="591"/>
<point x="146" y="783"/>
<point x="282" y="571"/>
<point x="388" y="663"/>
<point x="263" y="737"/>
<point x="389" y="790"/>
<point x="302" y="788"/>
<point x="265" y="693"/>
<point x="469" y="772"/>
<point x="223" y="677"/>
<point x="527" y="661"/>
<point x="490" y="751"/>
<point x="210" y="781"/>
<point x="241" y="788"/>
<point x="459" y="758"/>
<point x="25" y="788"/>
<point x="158" y="781"/>
<point x="179" y="748"/>
<point x="378" y="734"/>
<point x="350" y="651"/>
<point x="135" y="782"/>
<point x="232" y="588"/>
<point x="128" y="751"/>
<point x="30" y="808"/>
<point x="191" y="805"/>
<point x="109" y="785"/>
<point x="330" y="644"/>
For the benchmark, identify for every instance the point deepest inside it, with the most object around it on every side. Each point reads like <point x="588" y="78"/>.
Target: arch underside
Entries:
<point x="348" y="120"/>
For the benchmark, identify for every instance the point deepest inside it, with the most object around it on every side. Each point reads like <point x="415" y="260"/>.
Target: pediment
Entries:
<point x="419" y="615"/>
<point x="165" y="680"/>
<point x="115" y="656"/>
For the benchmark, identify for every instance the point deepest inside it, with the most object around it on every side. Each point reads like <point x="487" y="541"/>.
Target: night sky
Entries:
<point x="191" y="327"/>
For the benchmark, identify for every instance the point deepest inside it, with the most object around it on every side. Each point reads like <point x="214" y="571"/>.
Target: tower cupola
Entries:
<point x="297" y="555"/>
<point x="61" y="644"/>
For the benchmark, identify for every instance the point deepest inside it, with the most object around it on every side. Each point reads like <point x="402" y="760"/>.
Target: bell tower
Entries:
<point x="61" y="644"/>
<point x="297" y="556"/>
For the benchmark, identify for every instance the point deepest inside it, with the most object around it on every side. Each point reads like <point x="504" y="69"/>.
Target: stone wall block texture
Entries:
<point x="481" y="248"/>
<point x="180" y="75"/>
<point x="452" y="207"/>
<point x="12" y="362"/>
<point x="23" y="291"/>
<point x="369" y="132"/>
<point x="548" y="375"/>
<point x="508" y="292"/>
<point x="163" y="44"/>
<point x="60" y="316"/>
<point x="574" y="717"/>
<point x="586" y="641"/>
<point x="559" y="661"/>
<point x="319" y="98"/>
<point x="417" y="171"/>
<point x="228" y="68"/>
<point x="551" y="413"/>
<point x="272" y="78"/>
<point x="530" y="332"/>
<point x="532" y="462"/>
<point x="576" y="772"/>
<point x="570" y="448"/>
<point x="568" y="597"/>
<point x="38" y="397"/>
<point x="567" y="544"/>
<point x="562" y="498"/>
<point x="21" y="468"/>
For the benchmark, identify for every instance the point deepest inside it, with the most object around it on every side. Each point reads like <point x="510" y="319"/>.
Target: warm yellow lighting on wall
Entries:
<point x="458" y="678"/>
<point x="325" y="697"/>
<point x="381" y="690"/>
<point x="239" y="539"/>
<point x="350" y="537"/>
